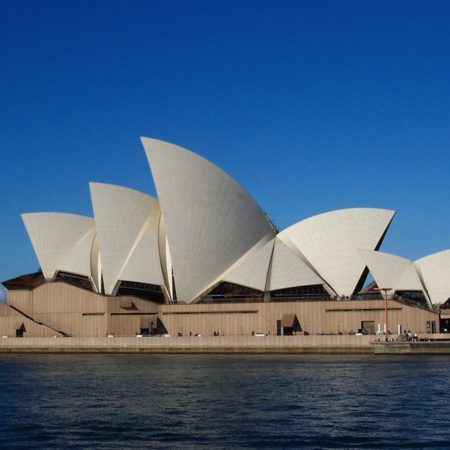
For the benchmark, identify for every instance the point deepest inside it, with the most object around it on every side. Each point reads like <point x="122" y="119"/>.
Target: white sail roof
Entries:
<point x="127" y="231"/>
<point x="252" y="269"/>
<point x="289" y="270"/>
<point x="211" y="221"/>
<point x="435" y="272"/>
<point x="62" y="242"/>
<point x="144" y="263"/>
<point x="392" y="271"/>
<point x="330" y="242"/>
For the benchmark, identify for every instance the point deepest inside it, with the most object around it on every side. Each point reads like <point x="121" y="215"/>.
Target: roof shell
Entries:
<point x="252" y="269"/>
<point x="330" y="242"/>
<point x="210" y="220"/>
<point x="434" y="270"/>
<point x="289" y="270"/>
<point x="62" y="242"/>
<point x="392" y="271"/>
<point x="127" y="224"/>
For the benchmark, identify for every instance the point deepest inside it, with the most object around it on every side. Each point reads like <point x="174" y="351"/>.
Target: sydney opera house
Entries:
<point x="203" y="259"/>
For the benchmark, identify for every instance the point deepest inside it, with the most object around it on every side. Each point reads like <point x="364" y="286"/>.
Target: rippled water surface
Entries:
<point x="223" y="401"/>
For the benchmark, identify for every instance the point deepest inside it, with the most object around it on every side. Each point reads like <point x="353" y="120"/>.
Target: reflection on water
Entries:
<point x="223" y="401"/>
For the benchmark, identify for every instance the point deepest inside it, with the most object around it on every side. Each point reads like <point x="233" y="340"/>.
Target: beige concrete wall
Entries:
<point x="37" y="330"/>
<point x="113" y="305"/>
<point x="6" y="310"/>
<point x="314" y="317"/>
<point x="11" y="320"/>
<point x="9" y="325"/>
<point x="22" y="300"/>
<point x="127" y="322"/>
<point x="128" y="325"/>
<point x="64" y="298"/>
<point x="79" y="312"/>
<point x="70" y="309"/>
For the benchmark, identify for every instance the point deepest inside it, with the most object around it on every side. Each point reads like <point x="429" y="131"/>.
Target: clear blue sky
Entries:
<point x="310" y="105"/>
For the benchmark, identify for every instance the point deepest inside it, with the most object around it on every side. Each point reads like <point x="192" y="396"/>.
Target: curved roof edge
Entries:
<point x="393" y="271"/>
<point x="339" y="211"/>
<point x="434" y="271"/>
<point x="127" y="222"/>
<point x="55" y="236"/>
<point x="206" y="214"/>
<point x="252" y="268"/>
<point x="330" y="241"/>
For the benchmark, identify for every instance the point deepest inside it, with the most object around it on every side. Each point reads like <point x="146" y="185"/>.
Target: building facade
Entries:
<point x="203" y="258"/>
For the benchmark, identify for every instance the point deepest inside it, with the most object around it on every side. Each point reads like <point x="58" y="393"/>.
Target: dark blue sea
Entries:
<point x="223" y="401"/>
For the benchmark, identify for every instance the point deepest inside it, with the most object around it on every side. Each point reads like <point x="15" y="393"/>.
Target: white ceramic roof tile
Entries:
<point x="56" y="236"/>
<point x="252" y="268"/>
<point x="330" y="242"/>
<point x="210" y="220"/>
<point x="144" y="263"/>
<point x="289" y="270"/>
<point x="392" y="271"/>
<point x="78" y="258"/>
<point x="435" y="272"/>
<point x="121" y="216"/>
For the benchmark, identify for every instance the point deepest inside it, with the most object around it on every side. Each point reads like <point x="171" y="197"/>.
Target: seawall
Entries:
<point x="436" y="347"/>
<point x="331" y="344"/>
<point x="194" y="344"/>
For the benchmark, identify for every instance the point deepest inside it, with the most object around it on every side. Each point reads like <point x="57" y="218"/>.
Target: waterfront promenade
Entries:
<point x="194" y="344"/>
<point x="345" y="344"/>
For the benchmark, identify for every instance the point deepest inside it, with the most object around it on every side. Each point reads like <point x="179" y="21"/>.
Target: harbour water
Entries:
<point x="223" y="401"/>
